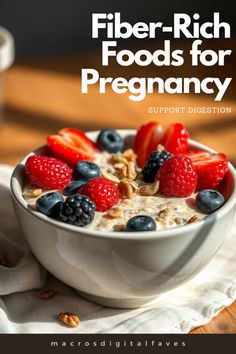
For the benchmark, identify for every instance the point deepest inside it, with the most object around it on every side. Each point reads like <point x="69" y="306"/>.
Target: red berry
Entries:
<point x="211" y="168"/>
<point x="174" y="139"/>
<point x="72" y="146"/>
<point x="177" y="177"/>
<point x="145" y="141"/>
<point x="102" y="192"/>
<point x="47" y="172"/>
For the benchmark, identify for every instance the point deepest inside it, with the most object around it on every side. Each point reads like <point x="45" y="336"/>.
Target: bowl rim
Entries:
<point x="147" y="235"/>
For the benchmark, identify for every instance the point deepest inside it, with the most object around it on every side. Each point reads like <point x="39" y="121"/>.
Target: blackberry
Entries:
<point x="154" y="162"/>
<point x="77" y="210"/>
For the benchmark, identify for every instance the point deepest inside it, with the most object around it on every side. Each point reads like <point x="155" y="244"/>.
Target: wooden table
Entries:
<point x="43" y="96"/>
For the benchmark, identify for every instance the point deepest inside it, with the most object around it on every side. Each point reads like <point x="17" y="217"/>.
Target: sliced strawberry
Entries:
<point x="145" y="141"/>
<point x="225" y="186"/>
<point x="71" y="146"/>
<point x="197" y="155"/>
<point x="78" y="138"/>
<point x="211" y="168"/>
<point x="155" y="138"/>
<point x="175" y="139"/>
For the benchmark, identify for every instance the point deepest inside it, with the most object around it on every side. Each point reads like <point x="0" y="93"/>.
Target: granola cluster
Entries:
<point x="138" y="197"/>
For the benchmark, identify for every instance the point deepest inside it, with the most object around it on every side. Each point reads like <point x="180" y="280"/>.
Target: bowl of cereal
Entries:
<point x="123" y="216"/>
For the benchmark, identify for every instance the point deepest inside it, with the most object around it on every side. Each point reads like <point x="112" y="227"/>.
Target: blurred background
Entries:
<point x="53" y="43"/>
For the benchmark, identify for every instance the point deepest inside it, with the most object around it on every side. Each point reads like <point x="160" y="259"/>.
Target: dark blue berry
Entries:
<point x="77" y="210"/>
<point x="110" y="140"/>
<point x="86" y="170"/>
<point x="209" y="200"/>
<point x="49" y="204"/>
<point x="141" y="223"/>
<point x="154" y="162"/>
<point x="73" y="187"/>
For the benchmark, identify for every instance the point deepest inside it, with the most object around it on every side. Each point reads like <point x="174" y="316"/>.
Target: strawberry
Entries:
<point x="145" y="141"/>
<point x="71" y="145"/>
<point x="174" y="139"/>
<point x="177" y="177"/>
<point x="78" y="138"/>
<point x="211" y="168"/>
<point x="47" y="172"/>
<point x="60" y="147"/>
<point x="102" y="192"/>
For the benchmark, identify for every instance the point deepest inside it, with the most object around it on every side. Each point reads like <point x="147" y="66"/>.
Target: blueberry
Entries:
<point x="141" y="223"/>
<point x="110" y="140"/>
<point x="49" y="204"/>
<point x="86" y="170"/>
<point x="73" y="187"/>
<point x="209" y="200"/>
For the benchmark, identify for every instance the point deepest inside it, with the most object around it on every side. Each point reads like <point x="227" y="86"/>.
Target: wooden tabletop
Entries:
<point x="43" y="96"/>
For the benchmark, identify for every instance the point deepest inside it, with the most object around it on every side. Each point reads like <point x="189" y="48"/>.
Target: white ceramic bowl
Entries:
<point x="122" y="269"/>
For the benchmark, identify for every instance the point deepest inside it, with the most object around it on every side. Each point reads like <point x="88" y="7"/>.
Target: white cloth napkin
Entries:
<point x="178" y="311"/>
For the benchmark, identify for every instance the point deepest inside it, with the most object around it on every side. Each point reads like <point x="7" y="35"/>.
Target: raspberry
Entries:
<point x="102" y="192"/>
<point x="154" y="162"/>
<point x="47" y="172"/>
<point x="177" y="177"/>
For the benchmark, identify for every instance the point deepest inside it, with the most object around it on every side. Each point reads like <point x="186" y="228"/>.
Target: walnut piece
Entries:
<point x="133" y="184"/>
<point x="125" y="189"/>
<point x="149" y="189"/>
<point x="114" y="213"/>
<point x="131" y="173"/>
<point x="35" y="192"/>
<point x="118" y="165"/>
<point x="70" y="319"/>
<point x="130" y="155"/>
<point x="179" y="221"/>
<point x="110" y="177"/>
<point x="119" y="227"/>
<point x="125" y="164"/>
<point x="119" y="158"/>
<point x="194" y="218"/>
<point x="164" y="213"/>
<point x="123" y="171"/>
<point x="46" y="293"/>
